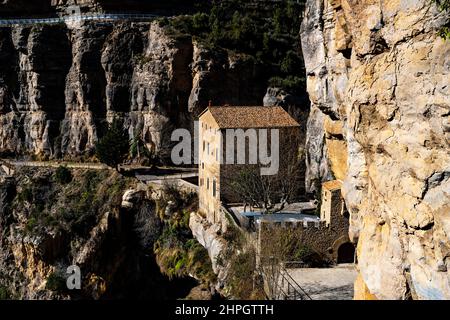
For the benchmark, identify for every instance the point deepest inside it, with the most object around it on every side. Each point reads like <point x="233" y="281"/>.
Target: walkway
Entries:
<point x="78" y="18"/>
<point x="182" y="175"/>
<point x="327" y="283"/>
<point x="55" y="164"/>
<point x="144" y="174"/>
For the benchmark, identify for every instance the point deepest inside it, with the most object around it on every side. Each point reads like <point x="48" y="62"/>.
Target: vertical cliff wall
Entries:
<point x="59" y="85"/>
<point x="378" y="79"/>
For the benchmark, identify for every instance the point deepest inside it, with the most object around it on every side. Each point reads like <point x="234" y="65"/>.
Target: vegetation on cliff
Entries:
<point x="239" y="259"/>
<point x="50" y="202"/>
<point x="444" y="7"/>
<point x="113" y="148"/>
<point x="269" y="34"/>
<point x="178" y="253"/>
<point x="47" y="217"/>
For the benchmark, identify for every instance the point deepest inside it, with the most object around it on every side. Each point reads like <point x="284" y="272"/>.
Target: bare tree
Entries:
<point x="272" y="193"/>
<point x="277" y="246"/>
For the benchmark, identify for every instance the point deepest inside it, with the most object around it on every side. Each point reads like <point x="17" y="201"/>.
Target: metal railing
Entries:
<point x="281" y="284"/>
<point x="292" y="285"/>
<point x="75" y="18"/>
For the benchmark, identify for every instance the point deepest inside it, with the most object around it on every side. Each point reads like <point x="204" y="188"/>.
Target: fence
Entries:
<point x="76" y="18"/>
<point x="278" y="283"/>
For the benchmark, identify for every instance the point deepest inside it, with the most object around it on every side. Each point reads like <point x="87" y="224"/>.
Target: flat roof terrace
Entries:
<point x="300" y="212"/>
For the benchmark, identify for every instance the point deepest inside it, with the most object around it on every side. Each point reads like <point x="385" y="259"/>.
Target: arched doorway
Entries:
<point x="346" y="253"/>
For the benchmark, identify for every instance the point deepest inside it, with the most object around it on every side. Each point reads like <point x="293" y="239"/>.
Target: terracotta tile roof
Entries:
<point x="231" y="117"/>
<point x="332" y="185"/>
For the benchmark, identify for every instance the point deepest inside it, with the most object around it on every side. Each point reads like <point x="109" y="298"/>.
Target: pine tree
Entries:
<point x="113" y="148"/>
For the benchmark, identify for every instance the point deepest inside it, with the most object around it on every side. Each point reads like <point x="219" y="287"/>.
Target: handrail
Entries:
<point x="290" y="279"/>
<point x="282" y="277"/>
<point x="71" y="18"/>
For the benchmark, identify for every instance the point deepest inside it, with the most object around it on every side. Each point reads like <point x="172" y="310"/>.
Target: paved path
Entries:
<point x="56" y="164"/>
<point x="159" y="175"/>
<point x="183" y="175"/>
<point x="327" y="283"/>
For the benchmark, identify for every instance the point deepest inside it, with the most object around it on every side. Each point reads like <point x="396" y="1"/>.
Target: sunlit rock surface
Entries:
<point x="379" y="74"/>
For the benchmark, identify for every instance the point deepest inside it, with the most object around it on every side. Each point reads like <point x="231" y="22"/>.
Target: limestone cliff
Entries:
<point x="99" y="221"/>
<point x="378" y="79"/>
<point x="60" y="84"/>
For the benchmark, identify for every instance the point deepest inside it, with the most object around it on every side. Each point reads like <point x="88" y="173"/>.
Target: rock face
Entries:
<point x="379" y="75"/>
<point x="112" y="248"/>
<point x="208" y="236"/>
<point x="59" y="85"/>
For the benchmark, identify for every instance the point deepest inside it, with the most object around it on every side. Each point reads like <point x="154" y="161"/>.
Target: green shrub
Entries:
<point x="171" y="192"/>
<point x="444" y="6"/>
<point x="241" y="275"/>
<point x="26" y="195"/>
<point x="233" y="235"/>
<point x="291" y="83"/>
<point x="56" y="282"/>
<point x="291" y="63"/>
<point x="50" y="220"/>
<point x="301" y="253"/>
<point x="4" y="293"/>
<point x="112" y="149"/>
<point x="178" y="254"/>
<point x="444" y="33"/>
<point x="200" y="22"/>
<point x="31" y="224"/>
<point x="63" y="175"/>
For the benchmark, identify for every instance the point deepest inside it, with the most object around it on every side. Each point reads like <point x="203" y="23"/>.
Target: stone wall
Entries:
<point x="323" y="237"/>
<point x="291" y="140"/>
<point x="209" y="167"/>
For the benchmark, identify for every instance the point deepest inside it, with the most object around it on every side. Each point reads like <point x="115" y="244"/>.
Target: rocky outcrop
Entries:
<point x="223" y="77"/>
<point x="42" y="235"/>
<point x="208" y="235"/>
<point x="378" y="72"/>
<point x="36" y="61"/>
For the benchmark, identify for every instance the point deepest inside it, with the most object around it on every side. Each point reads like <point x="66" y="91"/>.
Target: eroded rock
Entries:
<point x="380" y="73"/>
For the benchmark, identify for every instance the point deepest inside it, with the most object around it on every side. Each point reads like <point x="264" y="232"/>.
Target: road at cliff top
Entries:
<point x="78" y="18"/>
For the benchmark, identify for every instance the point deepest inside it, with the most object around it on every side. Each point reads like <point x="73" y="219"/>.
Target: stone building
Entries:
<point x="327" y="237"/>
<point x="216" y="172"/>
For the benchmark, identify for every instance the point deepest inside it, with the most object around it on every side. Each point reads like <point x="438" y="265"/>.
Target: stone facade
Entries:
<point x="329" y="237"/>
<point x="216" y="175"/>
<point x="209" y="167"/>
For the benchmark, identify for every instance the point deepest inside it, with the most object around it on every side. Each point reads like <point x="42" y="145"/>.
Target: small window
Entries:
<point x="201" y="182"/>
<point x="207" y="151"/>
<point x="203" y="165"/>
<point x="214" y="188"/>
<point x="207" y="183"/>
<point x="203" y="145"/>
